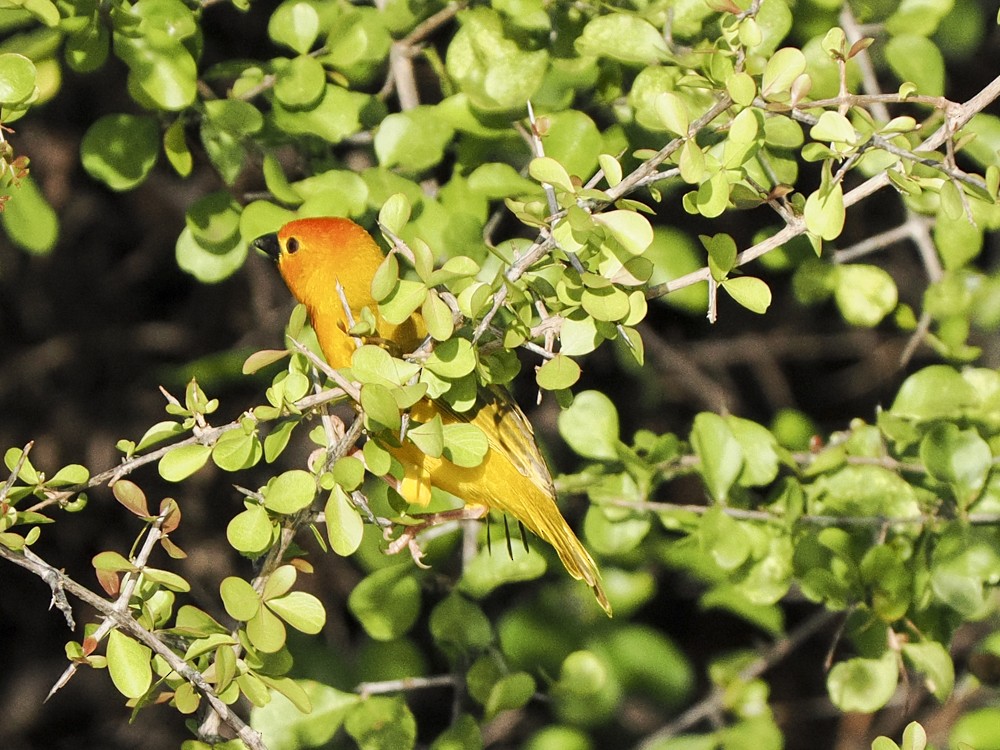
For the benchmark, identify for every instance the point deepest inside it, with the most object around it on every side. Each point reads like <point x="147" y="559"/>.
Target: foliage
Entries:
<point x="521" y="159"/>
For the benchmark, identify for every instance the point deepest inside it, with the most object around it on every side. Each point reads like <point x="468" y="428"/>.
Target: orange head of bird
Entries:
<point x="315" y="255"/>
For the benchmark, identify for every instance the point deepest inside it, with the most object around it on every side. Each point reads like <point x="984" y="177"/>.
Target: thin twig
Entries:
<point x="121" y="605"/>
<point x="713" y="703"/>
<point x="35" y="564"/>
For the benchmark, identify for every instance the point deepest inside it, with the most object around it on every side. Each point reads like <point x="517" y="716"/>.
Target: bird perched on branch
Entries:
<point x="316" y="255"/>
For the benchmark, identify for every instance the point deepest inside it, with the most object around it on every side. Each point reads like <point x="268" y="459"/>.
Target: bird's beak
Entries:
<point x="268" y="243"/>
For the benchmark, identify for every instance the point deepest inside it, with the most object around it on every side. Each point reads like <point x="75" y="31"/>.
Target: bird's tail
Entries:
<point x="574" y="556"/>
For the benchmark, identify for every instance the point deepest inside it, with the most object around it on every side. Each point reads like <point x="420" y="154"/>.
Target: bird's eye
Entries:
<point x="292" y="245"/>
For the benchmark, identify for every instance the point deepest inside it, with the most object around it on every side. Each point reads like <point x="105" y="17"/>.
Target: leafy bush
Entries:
<point x="549" y="178"/>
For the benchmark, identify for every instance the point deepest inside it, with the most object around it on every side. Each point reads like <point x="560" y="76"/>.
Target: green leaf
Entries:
<point x="413" y="141"/>
<point x="463" y="734"/>
<point x="557" y="373"/>
<point x="494" y="72"/>
<point x="181" y="462"/>
<point x="166" y="579"/>
<point x="380" y="408"/>
<point x="459" y="627"/>
<point x="724" y="539"/>
<point x="721" y="254"/>
<point x="578" y="334"/>
<point x="612" y="169"/>
<point x="112" y="561"/>
<point x="28" y="218"/>
<point x="377" y="459"/>
<point x="933" y="661"/>
<point x="17" y="77"/>
<point x="301" y="610"/>
<point x="914" y="737"/>
<point x="453" y="359"/>
<point x="284" y="727"/>
<point x="712" y="197"/>
<point x="428" y="437"/>
<point x="279" y="582"/>
<point x="301" y="83"/>
<point x="45" y="11"/>
<point x="614" y="535"/>
<point x="632" y="230"/>
<point x="379" y="723"/>
<point x="349" y="472"/>
<point x="692" y="163"/>
<point x="386" y="602"/>
<point x="236" y="450"/>
<point x="509" y="693"/>
<point x="646" y="659"/>
<point x="129" y="665"/>
<point x="864" y="294"/>
<point x="606" y="303"/>
<point x="250" y="532"/>
<point x="263" y="358"/>
<point x="590" y="426"/>
<point x="960" y="458"/>
<point x="344" y="526"/>
<point x="825" y="213"/>
<point x="979" y="728"/>
<point x="290" y="491"/>
<point x="266" y="631"/>
<point x="437" y="316"/>
<point x="673" y="112"/>
<point x="239" y="598"/>
<point x="176" y="148"/>
<point x="464" y="444"/>
<point x="742" y="88"/>
<point x="760" y="455"/>
<point x="385" y="279"/>
<point x="205" y="263"/>
<point x="336" y="116"/>
<point x="404" y="300"/>
<point x="863" y="685"/>
<point x="547" y="170"/>
<point x="719" y="453"/>
<point x="294" y="25"/>
<point x="372" y="364"/>
<point x="780" y="72"/>
<point x="935" y="392"/>
<point x="918" y="60"/>
<point x="574" y="140"/>
<point x="393" y="215"/>
<point x="605" y="35"/>
<point x="835" y="127"/>
<point x="233" y="116"/>
<point x="120" y="150"/>
<point x="158" y="433"/>
<point x="359" y="43"/>
<point x="752" y="293"/>
<point x="162" y="73"/>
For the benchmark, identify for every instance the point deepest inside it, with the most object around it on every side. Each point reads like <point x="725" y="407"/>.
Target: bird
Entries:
<point x="317" y="255"/>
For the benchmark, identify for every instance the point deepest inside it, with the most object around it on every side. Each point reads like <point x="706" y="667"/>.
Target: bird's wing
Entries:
<point x="508" y="432"/>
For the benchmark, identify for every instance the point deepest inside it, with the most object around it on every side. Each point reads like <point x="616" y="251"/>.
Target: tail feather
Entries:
<point x="573" y="555"/>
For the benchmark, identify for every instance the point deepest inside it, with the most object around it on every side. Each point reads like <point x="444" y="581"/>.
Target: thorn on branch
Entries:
<point x="59" y="599"/>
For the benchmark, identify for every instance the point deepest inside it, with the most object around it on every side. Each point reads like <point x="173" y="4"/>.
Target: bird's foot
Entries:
<point x="407" y="539"/>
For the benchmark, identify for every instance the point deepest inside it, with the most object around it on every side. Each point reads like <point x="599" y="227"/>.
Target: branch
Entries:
<point x="715" y="701"/>
<point x="745" y="514"/>
<point x="56" y="578"/>
<point x="406" y="684"/>
<point x="121" y="605"/>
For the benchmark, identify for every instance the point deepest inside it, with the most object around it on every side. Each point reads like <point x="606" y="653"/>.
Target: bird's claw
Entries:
<point x="407" y="540"/>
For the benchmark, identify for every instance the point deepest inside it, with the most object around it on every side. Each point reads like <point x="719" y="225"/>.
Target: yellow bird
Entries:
<point x="313" y="256"/>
